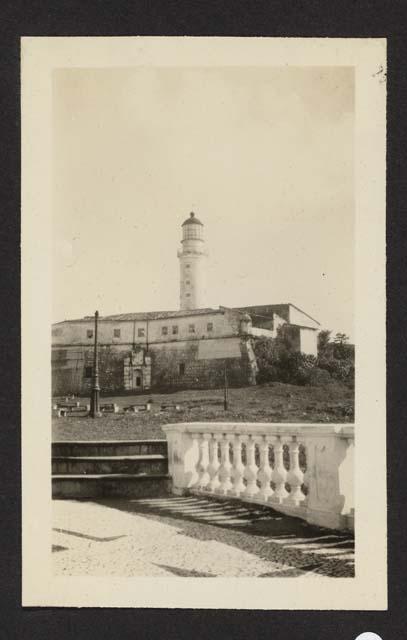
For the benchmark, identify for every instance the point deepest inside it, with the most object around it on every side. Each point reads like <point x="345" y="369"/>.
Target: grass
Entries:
<point x="272" y="402"/>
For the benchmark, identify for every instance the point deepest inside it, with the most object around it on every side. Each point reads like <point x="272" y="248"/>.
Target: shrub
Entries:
<point x="295" y="368"/>
<point x="278" y="362"/>
<point x="325" y="346"/>
<point x="319" y="377"/>
<point x="343" y="370"/>
<point x="267" y="373"/>
<point x="266" y="354"/>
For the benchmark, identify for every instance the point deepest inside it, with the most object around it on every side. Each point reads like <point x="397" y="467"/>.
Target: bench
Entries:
<point x="109" y="408"/>
<point x="169" y="406"/>
<point x="59" y="413"/>
<point x="80" y="408"/>
<point x="199" y="402"/>
<point x="67" y="405"/>
<point x="135" y="408"/>
<point x="64" y="409"/>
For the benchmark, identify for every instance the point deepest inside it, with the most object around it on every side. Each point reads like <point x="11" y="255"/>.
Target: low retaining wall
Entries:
<point x="301" y="470"/>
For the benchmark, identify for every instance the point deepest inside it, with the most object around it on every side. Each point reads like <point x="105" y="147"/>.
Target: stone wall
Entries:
<point x="72" y="370"/>
<point x="67" y="370"/>
<point x="179" y="366"/>
<point x="166" y="366"/>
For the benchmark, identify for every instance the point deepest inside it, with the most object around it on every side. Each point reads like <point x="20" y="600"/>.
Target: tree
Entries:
<point x="341" y="350"/>
<point x="266" y="357"/>
<point x="324" y="342"/>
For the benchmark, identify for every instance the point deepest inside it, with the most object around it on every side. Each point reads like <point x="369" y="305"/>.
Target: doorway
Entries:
<point x="137" y="379"/>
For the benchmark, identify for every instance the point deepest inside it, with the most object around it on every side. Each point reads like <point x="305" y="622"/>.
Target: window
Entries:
<point x="209" y="326"/>
<point x="116" y="333"/>
<point x="88" y="372"/>
<point x="174" y="330"/>
<point x="57" y="332"/>
<point x="187" y="281"/>
<point x="191" y="328"/>
<point x="187" y="295"/>
<point x="89" y="333"/>
<point x="181" y="368"/>
<point x="164" y="331"/>
<point x="187" y="266"/>
<point x="141" y="333"/>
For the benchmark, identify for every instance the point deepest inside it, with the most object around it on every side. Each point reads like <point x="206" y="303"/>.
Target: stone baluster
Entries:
<point x="203" y="461"/>
<point x="265" y="471"/>
<point x="307" y="473"/>
<point x="295" y="476"/>
<point x="238" y="468"/>
<point x="213" y="467"/>
<point x="225" y="467"/>
<point x="279" y="475"/>
<point x="251" y="470"/>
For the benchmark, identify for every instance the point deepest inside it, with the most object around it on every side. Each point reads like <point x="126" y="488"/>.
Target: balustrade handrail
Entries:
<point x="263" y="428"/>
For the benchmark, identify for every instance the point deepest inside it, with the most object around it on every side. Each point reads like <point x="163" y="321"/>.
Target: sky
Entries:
<point x="262" y="155"/>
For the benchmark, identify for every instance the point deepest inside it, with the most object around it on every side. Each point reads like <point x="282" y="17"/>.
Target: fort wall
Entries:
<point x="181" y="364"/>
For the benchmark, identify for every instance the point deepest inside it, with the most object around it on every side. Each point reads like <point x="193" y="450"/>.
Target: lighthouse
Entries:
<point x="192" y="258"/>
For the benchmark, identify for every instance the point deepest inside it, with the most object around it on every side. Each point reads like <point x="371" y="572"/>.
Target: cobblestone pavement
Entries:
<point x="192" y="537"/>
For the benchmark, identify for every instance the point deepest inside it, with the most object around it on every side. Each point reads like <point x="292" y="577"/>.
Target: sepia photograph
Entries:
<point x="207" y="359"/>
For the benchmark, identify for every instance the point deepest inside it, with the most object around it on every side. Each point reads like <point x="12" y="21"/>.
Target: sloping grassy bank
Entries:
<point x="271" y="402"/>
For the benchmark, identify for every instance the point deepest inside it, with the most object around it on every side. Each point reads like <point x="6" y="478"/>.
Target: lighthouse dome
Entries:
<point x="192" y="220"/>
<point x="192" y="229"/>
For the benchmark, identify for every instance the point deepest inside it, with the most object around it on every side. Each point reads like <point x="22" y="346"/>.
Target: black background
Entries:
<point x="326" y="18"/>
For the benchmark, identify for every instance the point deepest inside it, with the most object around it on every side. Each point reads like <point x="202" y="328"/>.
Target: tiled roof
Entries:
<point x="161" y="315"/>
<point x="149" y="315"/>
<point x="259" y="310"/>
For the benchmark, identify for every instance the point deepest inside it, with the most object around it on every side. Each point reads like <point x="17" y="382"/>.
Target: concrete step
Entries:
<point x="109" y="448"/>
<point x="110" y="468"/>
<point x="153" y="464"/>
<point x="118" y="485"/>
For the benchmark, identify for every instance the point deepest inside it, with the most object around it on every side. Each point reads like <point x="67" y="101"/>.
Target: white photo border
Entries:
<point x="368" y="589"/>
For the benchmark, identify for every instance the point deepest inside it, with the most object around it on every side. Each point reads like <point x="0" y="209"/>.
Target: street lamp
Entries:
<point x="94" y="399"/>
<point x="226" y="390"/>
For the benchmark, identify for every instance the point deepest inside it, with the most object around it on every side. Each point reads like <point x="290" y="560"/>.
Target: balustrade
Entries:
<point x="238" y="478"/>
<point x="213" y="468"/>
<point x="225" y="468"/>
<point x="265" y="471"/>
<point x="283" y="452"/>
<point x="279" y="475"/>
<point x="238" y="468"/>
<point x="203" y="461"/>
<point x="251" y="469"/>
<point x="295" y="476"/>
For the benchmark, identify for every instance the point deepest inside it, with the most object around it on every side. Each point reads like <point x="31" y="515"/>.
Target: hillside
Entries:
<point x="271" y="402"/>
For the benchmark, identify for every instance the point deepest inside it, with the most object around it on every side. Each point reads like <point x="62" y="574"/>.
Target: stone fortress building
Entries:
<point x="188" y="348"/>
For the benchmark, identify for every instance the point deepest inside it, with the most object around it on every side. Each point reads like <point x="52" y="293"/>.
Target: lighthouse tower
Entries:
<point x="192" y="257"/>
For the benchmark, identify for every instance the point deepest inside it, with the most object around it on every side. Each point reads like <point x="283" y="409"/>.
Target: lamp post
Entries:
<point x="226" y="394"/>
<point x="94" y="400"/>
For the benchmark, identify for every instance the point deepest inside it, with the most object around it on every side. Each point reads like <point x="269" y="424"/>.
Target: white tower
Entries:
<point x="192" y="257"/>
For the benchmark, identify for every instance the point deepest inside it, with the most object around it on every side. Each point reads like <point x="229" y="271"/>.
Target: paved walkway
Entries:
<point x="192" y="537"/>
